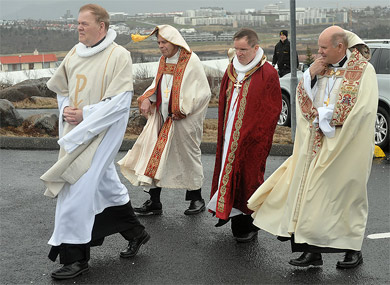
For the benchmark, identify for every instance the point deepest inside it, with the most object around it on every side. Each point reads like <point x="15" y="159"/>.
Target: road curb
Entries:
<point x="28" y="143"/>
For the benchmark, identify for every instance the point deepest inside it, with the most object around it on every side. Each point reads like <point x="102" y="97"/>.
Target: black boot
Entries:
<point x="70" y="270"/>
<point x="307" y="259"/>
<point x="134" y="245"/>
<point x="243" y="228"/>
<point x="149" y="208"/>
<point x="197" y="204"/>
<point x="352" y="259"/>
<point x="152" y="206"/>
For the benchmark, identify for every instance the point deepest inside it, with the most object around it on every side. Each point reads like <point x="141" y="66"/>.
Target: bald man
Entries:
<point x="317" y="198"/>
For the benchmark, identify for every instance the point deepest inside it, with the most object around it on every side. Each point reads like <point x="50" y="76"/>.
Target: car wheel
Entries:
<point x="382" y="128"/>
<point x="285" y="117"/>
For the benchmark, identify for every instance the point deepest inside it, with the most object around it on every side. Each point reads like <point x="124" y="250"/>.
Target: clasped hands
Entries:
<point x="72" y="115"/>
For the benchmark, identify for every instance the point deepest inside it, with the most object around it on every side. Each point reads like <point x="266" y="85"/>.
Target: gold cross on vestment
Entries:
<point x="327" y="102"/>
<point x="166" y="92"/>
<point x="332" y="72"/>
<point x="237" y="85"/>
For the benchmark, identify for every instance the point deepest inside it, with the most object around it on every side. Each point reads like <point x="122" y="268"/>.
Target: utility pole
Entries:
<point x="293" y="61"/>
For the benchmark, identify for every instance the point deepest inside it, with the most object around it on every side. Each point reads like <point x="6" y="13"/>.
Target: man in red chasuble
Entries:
<point x="250" y="102"/>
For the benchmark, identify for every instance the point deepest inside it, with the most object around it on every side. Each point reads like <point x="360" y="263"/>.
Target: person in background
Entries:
<point x="281" y="56"/>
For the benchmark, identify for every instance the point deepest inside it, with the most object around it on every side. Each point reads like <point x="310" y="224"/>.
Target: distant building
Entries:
<point x="217" y="16"/>
<point x="187" y="31"/>
<point x="27" y="62"/>
<point x="67" y="15"/>
<point x="118" y="16"/>
<point x="199" y="37"/>
<point x="308" y="16"/>
<point x="121" y="29"/>
<point x="226" y="37"/>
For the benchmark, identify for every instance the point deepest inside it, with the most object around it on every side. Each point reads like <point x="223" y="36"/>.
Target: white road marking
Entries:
<point x="380" y="235"/>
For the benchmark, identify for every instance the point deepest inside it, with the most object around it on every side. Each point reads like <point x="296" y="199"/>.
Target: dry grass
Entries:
<point x="23" y="131"/>
<point x="282" y="134"/>
<point x="37" y="103"/>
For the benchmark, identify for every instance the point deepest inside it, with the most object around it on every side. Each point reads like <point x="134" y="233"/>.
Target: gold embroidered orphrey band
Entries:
<point x="162" y="139"/>
<point x="226" y="174"/>
<point x="345" y="101"/>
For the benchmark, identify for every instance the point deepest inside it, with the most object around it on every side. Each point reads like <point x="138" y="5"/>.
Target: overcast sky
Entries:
<point x="53" y="9"/>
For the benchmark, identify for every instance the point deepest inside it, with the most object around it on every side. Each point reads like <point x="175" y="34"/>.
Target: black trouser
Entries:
<point x="190" y="195"/>
<point x="242" y="224"/>
<point x="117" y="219"/>
<point x="283" y="72"/>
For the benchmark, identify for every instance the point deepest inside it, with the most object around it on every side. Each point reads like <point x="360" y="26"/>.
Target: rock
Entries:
<point x="42" y="100"/>
<point x="4" y="85"/>
<point x="140" y="85"/>
<point x="215" y="92"/>
<point x="41" y="85"/>
<point x="27" y="89"/>
<point x="43" y="123"/>
<point x="19" y="93"/>
<point x="136" y="122"/>
<point x="8" y="115"/>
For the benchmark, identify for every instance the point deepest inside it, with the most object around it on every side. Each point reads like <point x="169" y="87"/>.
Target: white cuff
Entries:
<point x="307" y="84"/>
<point x="324" y="117"/>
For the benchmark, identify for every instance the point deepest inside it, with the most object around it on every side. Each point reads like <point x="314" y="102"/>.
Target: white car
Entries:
<point x="380" y="59"/>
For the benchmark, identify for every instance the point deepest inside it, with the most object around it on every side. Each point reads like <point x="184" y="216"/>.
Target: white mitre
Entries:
<point x="168" y="33"/>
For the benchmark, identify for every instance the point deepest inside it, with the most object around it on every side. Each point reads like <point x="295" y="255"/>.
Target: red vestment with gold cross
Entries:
<point x="259" y="105"/>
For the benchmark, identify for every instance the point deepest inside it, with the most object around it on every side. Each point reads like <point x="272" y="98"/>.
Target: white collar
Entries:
<point x="83" y="51"/>
<point x="245" y="68"/>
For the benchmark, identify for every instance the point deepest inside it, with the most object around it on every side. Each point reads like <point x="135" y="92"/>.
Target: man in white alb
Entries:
<point x="94" y="89"/>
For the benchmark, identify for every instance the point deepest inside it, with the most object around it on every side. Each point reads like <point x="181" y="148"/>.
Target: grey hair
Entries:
<point x="340" y="37"/>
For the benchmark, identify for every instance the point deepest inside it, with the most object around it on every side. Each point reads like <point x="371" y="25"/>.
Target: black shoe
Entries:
<point x="196" y="206"/>
<point x="307" y="259"/>
<point x="149" y="208"/>
<point x="134" y="245"/>
<point x="70" y="271"/>
<point x="221" y="223"/>
<point x="247" y="237"/>
<point x="351" y="260"/>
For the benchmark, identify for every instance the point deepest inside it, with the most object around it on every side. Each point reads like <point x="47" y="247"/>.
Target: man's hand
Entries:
<point x="176" y="117"/>
<point x="72" y="115"/>
<point x="145" y="108"/>
<point x="317" y="67"/>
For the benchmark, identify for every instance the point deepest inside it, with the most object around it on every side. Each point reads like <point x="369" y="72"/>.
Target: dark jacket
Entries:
<point x="282" y="56"/>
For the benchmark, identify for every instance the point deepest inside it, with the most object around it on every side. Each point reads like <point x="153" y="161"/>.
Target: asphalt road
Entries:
<point x="182" y="249"/>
